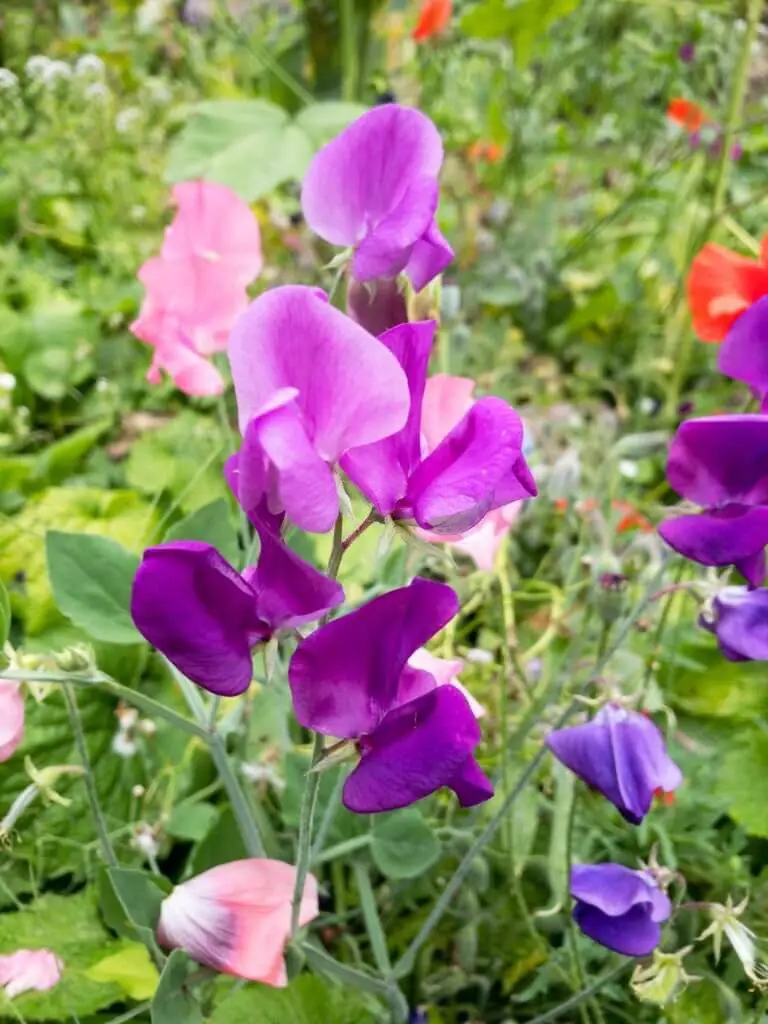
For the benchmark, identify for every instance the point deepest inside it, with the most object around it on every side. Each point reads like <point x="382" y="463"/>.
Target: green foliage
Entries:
<point x="174" y="1001"/>
<point x="306" y="1001"/>
<point x="403" y="845"/>
<point x="212" y="524"/>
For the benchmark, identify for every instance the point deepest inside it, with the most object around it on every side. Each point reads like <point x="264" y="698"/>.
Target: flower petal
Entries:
<point x="344" y="677"/>
<point x="446" y="401"/>
<point x="29" y="970"/>
<point x="197" y="610"/>
<point x="719" y="459"/>
<point x="611" y="888"/>
<point x="419" y="748"/>
<point x="741" y="622"/>
<point x="377" y="305"/>
<point x="11" y="718"/>
<point x="634" y="934"/>
<point x="429" y="257"/>
<point x="718" y="537"/>
<point x="721" y="286"/>
<point x="386" y="249"/>
<point x="744" y="353"/>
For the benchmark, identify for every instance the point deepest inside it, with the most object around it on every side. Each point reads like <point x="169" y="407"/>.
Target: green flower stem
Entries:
<point x="587" y="993"/>
<point x="107" y="851"/>
<point x="306" y="821"/>
<point x="342" y="849"/>
<point x="372" y="919"/>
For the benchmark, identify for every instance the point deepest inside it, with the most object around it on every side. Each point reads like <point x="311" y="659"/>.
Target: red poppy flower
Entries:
<point x="631" y="518"/>
<point x="490" y="151"/>
<point x="433" y="18"/>
<point x="721" y="286"/>
<point x="687" y="114"/>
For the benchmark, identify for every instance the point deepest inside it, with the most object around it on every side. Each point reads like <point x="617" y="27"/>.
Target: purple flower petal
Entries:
<point x="744" y="353"/>
<point x="611" y="888"/>
<point x="634" y="934"/>
<point x="477" y="467"/>
<point x="377" y="305"/>
<point x="417" y="749"/>
<point x="386" y="249"/>
<point x="753" y="568"/>
<point x="719" y="536"/>
<point x="350" y="389"/>
<point x="290" y="591"/>
<point x="741" y="622"/>
<point x="345" y="676"/>
<point x="621" y="753"/>
<point x="197" y="610"/>
<point x="721" y="459"/>
<point x="429" y="257"/>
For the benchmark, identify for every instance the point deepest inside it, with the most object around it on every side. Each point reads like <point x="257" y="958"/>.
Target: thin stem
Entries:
<point x="369" y="520"/>
<point x="372" y="920"/>
<point x="306" y="820"/>
<point x="338" y="550"/>
<point x="342" y="849"/>
<point x="348" y="49"/>
<point x="579" y="998"/>
<point x="578" y="967"/>
<point x="328" y="817"/>
<point x="131" y="1014"/>
<point x="90" y="785"/>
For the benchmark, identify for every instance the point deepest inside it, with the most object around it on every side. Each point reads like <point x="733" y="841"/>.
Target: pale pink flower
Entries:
<point x="29" y="970"/>
<point x="11" y="718"/>
<point x="236" y="918"/>
<point x="445" y="672"/>
<point x="446" y="400"/>
<point x="196" y="287"/>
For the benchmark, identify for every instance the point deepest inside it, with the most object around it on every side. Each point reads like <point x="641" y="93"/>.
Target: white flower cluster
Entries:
<point x="46" y="71"/>
<point x="8" y="80"/>
<point x="90" y="66"/>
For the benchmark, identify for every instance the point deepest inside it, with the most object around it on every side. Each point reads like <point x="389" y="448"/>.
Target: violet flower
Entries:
<point x="620" y="908"/>
<point x="720" y="463"/>
<point x="621" y="753"/>
<point x="310" y="385"/>
<point x="374" y="189"/>
<point x="478" y="466"/>
<point x="743" y="354"/>
<point x="740" y="623"/>
<point x="687" y="52"/>
<point x="351" y="679"/>
<point x="205" y="617"/>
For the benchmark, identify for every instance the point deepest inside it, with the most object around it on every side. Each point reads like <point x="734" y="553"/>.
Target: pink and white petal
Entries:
<point x="190" y="372"/>
<point x="29" y="970"/>
<point x="11" y="718"/>
<point x="445" y="672"/>
<point x="482" y="544"/>
<point x="446" y="400"/>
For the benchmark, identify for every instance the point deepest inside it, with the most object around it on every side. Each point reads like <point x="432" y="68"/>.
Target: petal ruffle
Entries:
<point x="744" y="353"/>
<point x="741" y="622"/>
<point x="721" y="459"/>
<point x="718" y="537"/>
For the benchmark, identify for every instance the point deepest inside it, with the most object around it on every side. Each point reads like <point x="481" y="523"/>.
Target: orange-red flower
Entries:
<point x="433" y="18"/>
<point x="630" y="518"/>
<point x="721" y="286"/>
<point x="687" y="114"/>
<point x="489" y="151"/>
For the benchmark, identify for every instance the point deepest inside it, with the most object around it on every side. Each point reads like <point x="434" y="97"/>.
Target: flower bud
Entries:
<point x="663" y="980"/>
<point x="76" y="658"/>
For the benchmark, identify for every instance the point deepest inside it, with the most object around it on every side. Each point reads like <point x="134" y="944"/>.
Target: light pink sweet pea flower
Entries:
<point x="446" y="400"/>
<point x="11" y="718"/>
<point x="196" y="287"/>
<point x="236" y="918"/>
<point x="445" y="672"/>
<point x="29" y="970"/>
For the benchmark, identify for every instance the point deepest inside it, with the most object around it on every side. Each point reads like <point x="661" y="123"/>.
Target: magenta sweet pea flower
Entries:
<point x="620" y="908"/>
<point x="743" y="354"/>
<point x="719" y="462"/>
<point x="205" y="617"/>
<point x="352" y="679"/>
<point x="476" y="467"/>
<point x="310" y="384"/>
<point x="374" y="189"/>
<point x="740" y="622"/>
<point x="376" y="306"/>
<point x="620" y="753"/>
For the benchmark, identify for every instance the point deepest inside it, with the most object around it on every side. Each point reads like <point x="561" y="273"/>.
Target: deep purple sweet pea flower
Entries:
<point x="351" y="679"/>
<point x="374" y="189"/>
<point x="310" y="384"/>
<point x="621" y="909"/>
<point x="376" y="306"/>
<point x="205" y="617"/>
<point x="622" y="754"/>
<point x="740" y="623"/>
<point x="477" y="467"/>
<point x="719" y="462"/>
<point x="743" y="354"/>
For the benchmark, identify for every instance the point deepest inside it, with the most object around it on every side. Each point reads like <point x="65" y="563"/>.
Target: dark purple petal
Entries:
<point x="753" y="568"/>
<point x="290" y="591"/>
<point x="477" y="467"/>
<point x="197" y="610"/>
<point x="744" y="353"/>
<point x="718" y="536"/>
<point x="345" y="676"/>
<point x="258" y="513"/>
<point x="377" y="305"/>
<point x="381" y="470"/>
<point x="634" y="934"/>
<point x="622" y="754"/>
<point x="717" y="460"/>
<point x="429" y="257"/>
<point x="741" y="622"/>
<point x="386" y="249"/>
<point x="419" y="748"/>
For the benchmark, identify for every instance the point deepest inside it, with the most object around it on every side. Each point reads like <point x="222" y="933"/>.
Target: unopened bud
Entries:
<point x="138" y="792"/>
<point x="609" y="594"/>
<point x="664" y="979"/>
<point x="76" y="658"/>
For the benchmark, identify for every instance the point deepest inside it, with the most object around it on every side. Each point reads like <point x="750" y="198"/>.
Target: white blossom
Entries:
<point x="8" y="80"/>
<point x="90" y="66"/>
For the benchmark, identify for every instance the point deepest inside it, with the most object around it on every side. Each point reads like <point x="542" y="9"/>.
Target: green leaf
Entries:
<point x="174" y="1001"/>
<point x="5" y="616"/>
<point x="212" y="524"/>
<point x="565" y="782"/>
<point x="226" y="141"/>
<point x="135" y="909"/>
<point x="131" y="968"/>
<point x="190" y="820"/>
<point x="307" y="1000"/>
<point x="743" y="780"/>
<point x="403" y="845"/>
<point x="525" y="23"/>
<point x="61" y="458"/>
<point x="92" y="579"/>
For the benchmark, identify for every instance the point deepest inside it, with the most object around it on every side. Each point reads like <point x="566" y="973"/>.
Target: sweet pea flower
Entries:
<point x="719" y="462"/>
<point x="236" y="918"/>
<point x="620" y="908"/>
<point x="620" y="753"/>
<point x="687" y="114"/>
<point x="311" y="385"/>
<point x="721" y="286"/>
<point x="374" y="189"/>
<point x="29" y="970"/>
<point x="376" y="306"/>
<point x="476" y="467"/>
<point x="744" y="353"/>
<point x="196" y="287"/>
<point x="11" y="718"/>
<point x="354" y="678"/>
<point x="434" y="18"/>
<point x="206" y="618"/>
<point x="445" y="672"/>
<point x="739" y="620"/>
